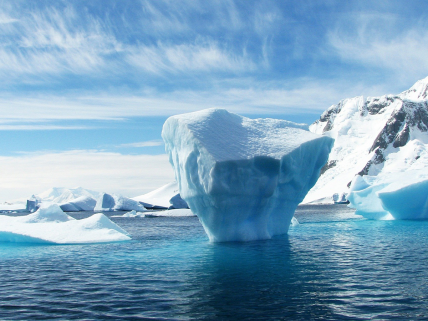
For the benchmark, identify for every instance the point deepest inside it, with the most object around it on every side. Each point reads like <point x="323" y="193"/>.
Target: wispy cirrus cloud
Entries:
<point x="380" y="41"/>
<point x="205" y="56"/>
<point x="306" y="95"/>
<point x="58" y="41"/>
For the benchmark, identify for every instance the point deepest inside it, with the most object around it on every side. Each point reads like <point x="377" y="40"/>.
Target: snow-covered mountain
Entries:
<point x="373" y="136"/>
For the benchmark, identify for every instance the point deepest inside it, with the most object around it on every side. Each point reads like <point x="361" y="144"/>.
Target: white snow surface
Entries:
<point x="50" y="224"/>
<point x="355" y="129"/>
<point x="243" y="178"/>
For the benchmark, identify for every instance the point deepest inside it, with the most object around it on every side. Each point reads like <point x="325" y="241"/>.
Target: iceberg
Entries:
<point x="82" y="203"/>
<point x="109" y="203"/>
<point x="49" y="224"/>
<point x="33" y="204"/>
<point x="243" y="178"/>
<point x="167" y="196"/>
<point x="400" y="195"/>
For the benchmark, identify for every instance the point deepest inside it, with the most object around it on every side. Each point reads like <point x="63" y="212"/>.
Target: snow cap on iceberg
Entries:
<point x="243" y="177"/>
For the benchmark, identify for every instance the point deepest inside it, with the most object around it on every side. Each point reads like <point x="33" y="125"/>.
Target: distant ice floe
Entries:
<point x="402" y="195"/>
<point x="51" y="225"/>
<point x="171" y="213"/>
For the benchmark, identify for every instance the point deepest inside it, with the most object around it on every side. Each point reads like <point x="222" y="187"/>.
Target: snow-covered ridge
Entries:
<point x="375" y="135"/>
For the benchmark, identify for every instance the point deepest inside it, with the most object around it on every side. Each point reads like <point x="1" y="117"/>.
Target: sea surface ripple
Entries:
<point x="333" y="266"/>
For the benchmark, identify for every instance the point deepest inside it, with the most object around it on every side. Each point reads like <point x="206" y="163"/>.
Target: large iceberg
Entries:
<point x="243" y="178"/>
<point x="401" y="195"/>
<point x="50" y="224"/>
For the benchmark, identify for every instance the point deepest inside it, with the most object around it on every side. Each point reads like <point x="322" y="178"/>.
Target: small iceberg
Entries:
<point x="171" y="213"/>
<point x="133" y="213"/>
<point x="51" y="225"/>
<point x="401" y="196"/>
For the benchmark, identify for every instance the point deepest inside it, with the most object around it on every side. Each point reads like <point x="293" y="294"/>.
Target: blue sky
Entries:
<point x="95" y="80"/>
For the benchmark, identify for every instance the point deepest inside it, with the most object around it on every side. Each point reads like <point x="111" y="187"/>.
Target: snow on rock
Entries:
<point x="243" y="178"/>
<point x="400" y="195"/>
<point x="167" y="196"/>
<point x="108" y="203"/>
<point x="374" y="135"/>
<point x="50" y="224"/>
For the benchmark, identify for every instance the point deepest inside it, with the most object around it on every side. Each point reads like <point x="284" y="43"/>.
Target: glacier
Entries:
<point x="49" y="224"/>
<point x="243" y="177"/>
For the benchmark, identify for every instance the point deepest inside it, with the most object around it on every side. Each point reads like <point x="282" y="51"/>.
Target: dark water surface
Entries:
<point x="333" y="266"/>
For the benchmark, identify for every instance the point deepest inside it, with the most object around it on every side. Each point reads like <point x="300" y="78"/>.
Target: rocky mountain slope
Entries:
<point x="372" y="136"/>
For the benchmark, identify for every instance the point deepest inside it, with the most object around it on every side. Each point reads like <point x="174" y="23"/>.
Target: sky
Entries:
<point x="85" y="86"/>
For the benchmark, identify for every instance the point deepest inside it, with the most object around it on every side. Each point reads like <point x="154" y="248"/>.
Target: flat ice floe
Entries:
<point x="171" y="213"/>
<point x="51" y="225"/>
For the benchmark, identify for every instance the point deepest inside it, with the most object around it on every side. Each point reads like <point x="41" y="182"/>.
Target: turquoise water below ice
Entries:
<point x="333" y="266"/>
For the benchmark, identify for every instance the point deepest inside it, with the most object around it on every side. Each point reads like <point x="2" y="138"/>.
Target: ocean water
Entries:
<point x="333" y="266"/>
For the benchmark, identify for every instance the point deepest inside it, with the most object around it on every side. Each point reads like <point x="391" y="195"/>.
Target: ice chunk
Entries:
<point x="82" y="203"/>
<point x="171" y="213"/>
<point x="133" y="213"/>
<point x="33" y="204"/>
<point x="177" y="202"/>
<point x="167" y="196"/>
<point x="107" y="203"/>
<point x="243" y="178"/>
<point x="51" y="225"/>
<point x="402" y="195"/>
<point x="406" y="201"/>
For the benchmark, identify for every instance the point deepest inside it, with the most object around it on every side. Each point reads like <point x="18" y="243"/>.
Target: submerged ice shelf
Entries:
<point x="243" y="178"/>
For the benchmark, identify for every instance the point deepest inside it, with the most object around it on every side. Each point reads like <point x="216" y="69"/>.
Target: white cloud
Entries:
<point x="301" y="96"/>
<point x="207" y="56"/>
<point x="380" y="41"/>
<point x="40" y="127"/>
<point x="130" y="175"/>
<point x="149" y="143"/>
